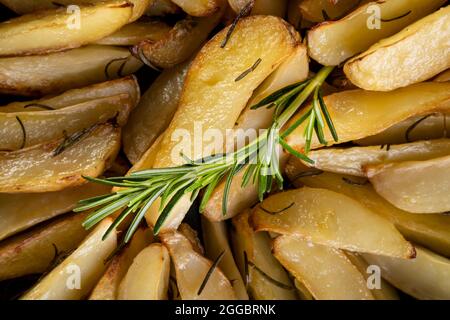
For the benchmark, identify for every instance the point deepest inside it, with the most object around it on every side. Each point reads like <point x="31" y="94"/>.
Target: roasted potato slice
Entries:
<point x="352" y="161"/>
<point x="213" y="98"/>
<point x="49" y="74"/>
<point x="42" y="171"/>
<point x="148" y="276"/>
<point x="428" y="194"/>
<point x="331" y="43"/>
<point x="358" y="114"/>
<point x="192" y="235"/>
<point x="425" y="277"/>
<point x="326" y="272"/>
<point x="182" y="41"/>
<point x="75" y="277"/>
<point x="199" y="8"/>
<point x="26" y="129"/>
<point x="128" y="85"/>
<point x="52" y="31"/>
<point x="154" y="112"/>
<point x="215" y="237"/>
<point x="36" y="250"/>
<point x="133" y="34"/>
<point x="431" y="230"/>
<point x="423" y="127"/>
<point x="161" y="8"/>
<point x="263" y="275"/>
<point x="261" y="7"/>
<point x="332" y="219"/>
<point x="322" y="10"/>
<point x="108" y="286"/>
<point x="195" y="279"/>
<point x="22" y="211"/>
<point x="443" y="77"/>
<point x="374" y="69"/>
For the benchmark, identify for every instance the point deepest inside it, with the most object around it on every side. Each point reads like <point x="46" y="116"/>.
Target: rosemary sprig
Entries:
<point x="141" y="189"/>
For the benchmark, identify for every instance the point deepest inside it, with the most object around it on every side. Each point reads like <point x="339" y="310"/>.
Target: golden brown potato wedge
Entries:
<point x="128" y="85"/>
<point x="154" y="112"/>
<point x="261" y="7"/>
<point x="182" y="41"/>
<point x="134" y="33"/>
<point x="26" y="129"/>
<point x="54" y="30"/>
<point x="332" y="219"/>
<point x="36" y="250"/>
<point x="199" y="8"/>
<point x="108" y="286"/>
<point x="430" y="230"/>
<point x="215" y="237"/>
<point x="443" y="77"/>
<point x="263" y="275"/>
<point x="148" y="276"/>
<point x="410" y="52"/>
<point x="423" y="127"/>
<point x="50" y="74"/>
<point x="357" y="114"/>
<point x="352" y="161"/>
<point x="322" y="10"/>
<point x="192" y="269"/>
<point x="428" y="194"/>
<point x="331" y="43"/>
<point x="192" y="235"/>
<point x="325" y="271"/>
<point x="37" y="169"/>
<point x="75" y="277"/>
<point x="160" y="8"/>
<point x="425" y="277"/>
<point x="213" y="99"/>
<point x="22" y="211"/>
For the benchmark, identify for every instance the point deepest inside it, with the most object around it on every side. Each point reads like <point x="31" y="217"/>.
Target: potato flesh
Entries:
<point x="313" y="10"/>
<point x="88" y="262"/>
<point x="154" y="112"/>
<point x="128" y="85"/>
<point x="22" y="211"/>
<point x="43" y="126"/>
<point x="429" y="193"/>
<point x="332" y="219"/>
<point x="198" y="8"/>
<point x="48" y="31"/>
<point x="34" y="251"/>
<point x="215" y="238"/>
<point x="37" y="170"/>
<point x="353" y="160"/>
<point x="257" y="247"/>
<point x="331" y="43"/>
<point x="148" y="276"/>
<point x="108" y="286"/>
<point x="49" y="74"/>
<point x="191" y="269"/>
<point x="432" y="126"/>
<point x="410" y="53"/>
<point x="134" y="33"/>
<point x="326" y="272"/>
<point x="357" y="114"/>
<point x="426" y="277"/>
<point x="431" y="230"/>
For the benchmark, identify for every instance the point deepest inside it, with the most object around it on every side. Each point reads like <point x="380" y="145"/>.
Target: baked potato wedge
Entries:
<point x="36" y="250"/>
<point x="107" y="287"/>
<point x="42" y="171"/>
<point x="428" y="195"/>
<point x="429" y="230"/>
<point x="49" y="74"/>
<point x="197" y="277"/>
<point x="154" y="112"/>
<point x="405" y="58"/>
<point x="426" y="277"/>
<point x="53" y="30"/>
<point x="261" y="7"/>
<point x="325" y="271"/>
<point x="443" y="76"/>
<point x="331" y="219"/>
<point x="22" y="211"/>
<point x="199" y="8"/>
<point x="161" y="8"/>
<point x="148" y="276"/>
<point x="264" y="277"/>
<point x="352" y="161"/>
<point x="322" y="10"/>
<point x="189" y="233"/>
<point x="75" y="277"/>
<point x="358" y="114"/>
<point x="332" y="42"/>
